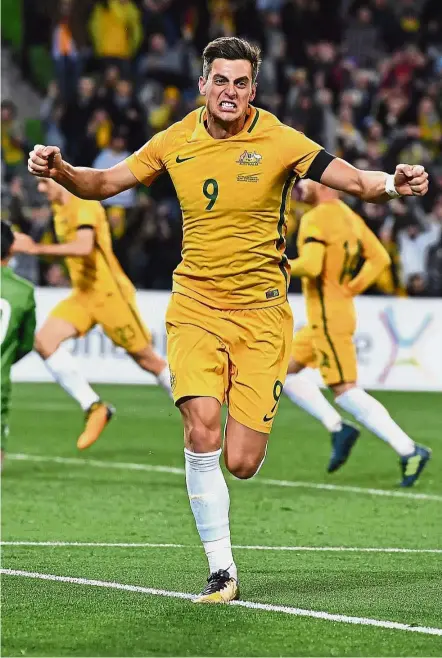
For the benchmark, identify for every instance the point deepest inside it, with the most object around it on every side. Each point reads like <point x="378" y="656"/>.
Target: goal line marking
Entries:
<point x="324" y="549"/>
<point x="267" y="607"/>
<point x="152" y="468"/>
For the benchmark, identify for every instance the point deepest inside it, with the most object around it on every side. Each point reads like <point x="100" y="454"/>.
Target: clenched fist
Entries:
<point x="24" y="244"/>
<point x="411" y="180"/>
<point x="45" y="161"/>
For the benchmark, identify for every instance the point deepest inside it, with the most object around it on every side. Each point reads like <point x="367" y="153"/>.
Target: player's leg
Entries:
<point x="199" y="367"/>
<point x="259" y="350"/>
<point x="303" y="392"/>
<point x="336" y="359"/>
<point x="70" y="319"/>
<point x="61" y="365"/>
<point x="375" y="417"/>
<point x="209" y="495"/>
<point x="152" y="362"/>
<point x="122" y="322"/>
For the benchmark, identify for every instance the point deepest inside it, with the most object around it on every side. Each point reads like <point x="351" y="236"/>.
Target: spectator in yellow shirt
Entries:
<point x="115" y="27"/>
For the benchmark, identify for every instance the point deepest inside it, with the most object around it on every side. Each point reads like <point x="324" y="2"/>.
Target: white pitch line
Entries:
<point x="267" y="607"/>
<point x="96" y="463"/>
<point x="151" y="468"/>
<point x="324" y="549"/>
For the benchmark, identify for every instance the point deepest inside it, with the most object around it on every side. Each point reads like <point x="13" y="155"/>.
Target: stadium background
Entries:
<point x="99" y="77"/>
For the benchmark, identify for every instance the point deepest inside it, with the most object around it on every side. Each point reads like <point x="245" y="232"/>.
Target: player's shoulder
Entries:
<point x="320" y="220"/>
<point x="319" y="214"/>
<point x="266" y="122"/>
<point x="180" y="129"/>
<point x="345" y="215"/>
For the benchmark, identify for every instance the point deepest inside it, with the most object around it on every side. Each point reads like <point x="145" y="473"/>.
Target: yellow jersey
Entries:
<point x="235" y="198"/>
<point x="100" y="271"/>
<point x="347" y="240"/>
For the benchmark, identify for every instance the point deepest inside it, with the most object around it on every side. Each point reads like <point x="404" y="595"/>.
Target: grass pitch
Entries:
<point x="129" y="489"/>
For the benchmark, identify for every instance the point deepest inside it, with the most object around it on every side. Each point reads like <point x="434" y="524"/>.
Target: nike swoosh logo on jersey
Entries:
<point x="178" y="159"/>
<point x="266" y="418"/>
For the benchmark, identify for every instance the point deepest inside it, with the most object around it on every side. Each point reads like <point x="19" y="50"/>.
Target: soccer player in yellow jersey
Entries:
<point x="332" y="241"/>
<point x="101" y="294"/>
<point x="229" y="324"/>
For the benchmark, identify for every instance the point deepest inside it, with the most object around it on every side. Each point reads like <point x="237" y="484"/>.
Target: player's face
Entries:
<point x="228" y="89"/>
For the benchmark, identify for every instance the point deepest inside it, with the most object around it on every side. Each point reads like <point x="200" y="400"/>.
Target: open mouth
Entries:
<point x="227" y="106"/>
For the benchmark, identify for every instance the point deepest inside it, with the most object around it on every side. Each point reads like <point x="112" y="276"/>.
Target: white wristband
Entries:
<point x="390" y="188"/>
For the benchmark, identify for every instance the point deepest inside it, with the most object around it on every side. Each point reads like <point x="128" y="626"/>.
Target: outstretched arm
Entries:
<point x="81" y="246"/>
<point x="84" y="182"/>
<point x="375" y="186"/>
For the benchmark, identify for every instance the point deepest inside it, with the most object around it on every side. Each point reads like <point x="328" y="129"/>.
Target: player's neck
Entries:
<point x="223" y="130"/>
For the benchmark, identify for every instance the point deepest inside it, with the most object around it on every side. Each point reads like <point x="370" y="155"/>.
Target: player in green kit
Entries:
<point x="17" y="324"/>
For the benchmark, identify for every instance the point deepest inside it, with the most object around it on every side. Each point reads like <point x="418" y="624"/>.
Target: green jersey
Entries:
<point x="17" y="328"/>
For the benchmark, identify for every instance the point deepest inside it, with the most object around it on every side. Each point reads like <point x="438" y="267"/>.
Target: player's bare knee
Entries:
<point x="200" y="438"/>
<point x="45" y="345"/>
<point x="339" y="389"/>
<point x="294" y="367"/>
<point x="242" y="467"/>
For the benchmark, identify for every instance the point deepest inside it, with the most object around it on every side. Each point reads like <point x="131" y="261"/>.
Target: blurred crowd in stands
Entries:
<point x="362" y="77"/>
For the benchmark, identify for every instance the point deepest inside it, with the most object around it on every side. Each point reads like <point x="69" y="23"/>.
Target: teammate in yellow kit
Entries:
<point x="229" y="325"/>
<point x="101" y="294"/>
<point x="332" y="242"/>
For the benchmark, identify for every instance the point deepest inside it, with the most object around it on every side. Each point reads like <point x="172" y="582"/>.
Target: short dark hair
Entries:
<point x="7" y="236"/>
<point x="231" y="48"/>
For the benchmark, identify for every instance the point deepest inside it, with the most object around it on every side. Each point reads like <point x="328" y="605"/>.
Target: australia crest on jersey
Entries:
<point x="251" y="158"/>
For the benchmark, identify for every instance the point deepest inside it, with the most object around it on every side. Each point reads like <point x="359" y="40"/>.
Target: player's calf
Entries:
<point x="206" y="485"/>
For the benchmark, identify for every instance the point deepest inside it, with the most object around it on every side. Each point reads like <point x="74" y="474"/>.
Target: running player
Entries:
<point x="17" y="325"/>
<point x="102" y="294"/>
<point x="332" y="240"/>
<point x="229" y="324"/>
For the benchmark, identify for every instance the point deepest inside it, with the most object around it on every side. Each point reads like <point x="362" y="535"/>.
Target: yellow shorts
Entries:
<point x="118" y="316"/>
<point x="236" y="356"/>
<point x="333" y="353"/>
